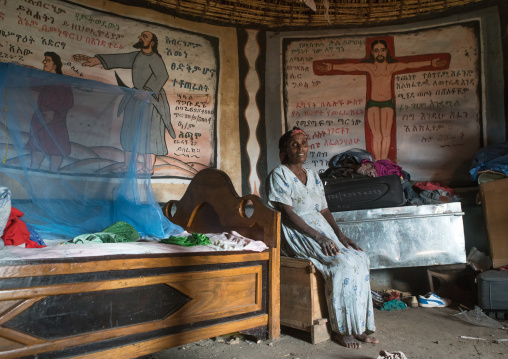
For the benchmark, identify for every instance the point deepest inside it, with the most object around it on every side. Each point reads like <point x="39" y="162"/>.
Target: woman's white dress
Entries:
<point x="346" y="274"/>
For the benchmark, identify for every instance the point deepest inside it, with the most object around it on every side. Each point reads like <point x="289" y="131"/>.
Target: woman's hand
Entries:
<point x="329" y="248"/>
<point x="86" y="60"/>
<point x="348" y="243"/>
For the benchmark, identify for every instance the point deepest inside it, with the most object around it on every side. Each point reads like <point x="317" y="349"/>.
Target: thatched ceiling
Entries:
<point x="298" y="13"/>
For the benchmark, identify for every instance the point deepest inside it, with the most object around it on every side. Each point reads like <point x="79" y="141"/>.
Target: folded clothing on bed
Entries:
<point x="195" y="239"/>
<point x="235" y="242"/>
<point x="116" y="233"/>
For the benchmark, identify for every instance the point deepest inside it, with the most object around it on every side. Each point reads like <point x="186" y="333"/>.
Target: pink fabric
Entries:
<point x="386" y="168"/>
<point x="295" y="132"/>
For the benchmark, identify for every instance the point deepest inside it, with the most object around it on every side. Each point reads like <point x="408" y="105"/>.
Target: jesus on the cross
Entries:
<point x="380" y="105"/>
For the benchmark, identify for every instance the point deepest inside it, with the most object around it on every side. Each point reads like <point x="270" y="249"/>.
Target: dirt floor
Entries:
<point x="420" y="333"/>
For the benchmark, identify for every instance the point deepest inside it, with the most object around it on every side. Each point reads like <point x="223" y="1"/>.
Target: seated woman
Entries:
<point x="310" y="231"/>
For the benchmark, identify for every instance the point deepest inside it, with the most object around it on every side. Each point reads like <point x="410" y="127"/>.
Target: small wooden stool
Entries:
<point x="302" y="298"/>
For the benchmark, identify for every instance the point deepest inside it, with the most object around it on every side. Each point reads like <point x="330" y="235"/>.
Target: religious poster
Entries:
<point x="177" y="68"/>
<point x="410" y="97"/>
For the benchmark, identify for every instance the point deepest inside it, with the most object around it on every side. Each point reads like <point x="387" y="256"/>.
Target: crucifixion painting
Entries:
<point x="381" y="66"/>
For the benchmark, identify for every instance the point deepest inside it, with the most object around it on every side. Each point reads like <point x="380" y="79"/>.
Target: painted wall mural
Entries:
<point x="412" y="97"/>
<point x="179" y="67"/>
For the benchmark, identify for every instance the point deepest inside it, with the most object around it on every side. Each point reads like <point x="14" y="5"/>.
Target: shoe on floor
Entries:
<point x="430" y="300"/>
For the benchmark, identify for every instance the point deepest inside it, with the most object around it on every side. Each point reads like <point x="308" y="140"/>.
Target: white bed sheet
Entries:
<point x="219" y="242"/>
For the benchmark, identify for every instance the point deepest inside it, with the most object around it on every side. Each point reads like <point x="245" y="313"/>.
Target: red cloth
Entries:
<point x="16" y="233"/>
<point x="391" y="296"/>
<point x="431" y="186"/>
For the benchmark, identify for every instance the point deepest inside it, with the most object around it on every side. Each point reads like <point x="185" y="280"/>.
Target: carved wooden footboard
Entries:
<point x="125" y="306"/>
<point x="211" y="205"/>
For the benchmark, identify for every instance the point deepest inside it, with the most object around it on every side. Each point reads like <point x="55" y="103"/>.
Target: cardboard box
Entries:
<point x="495" y="207"/>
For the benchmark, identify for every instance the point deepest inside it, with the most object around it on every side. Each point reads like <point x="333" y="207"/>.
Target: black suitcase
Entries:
<point x="493" y="292"/>
<point x="348" y="194"/>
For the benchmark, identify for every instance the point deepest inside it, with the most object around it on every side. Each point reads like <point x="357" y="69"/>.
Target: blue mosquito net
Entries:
<point x="76" y="154"/>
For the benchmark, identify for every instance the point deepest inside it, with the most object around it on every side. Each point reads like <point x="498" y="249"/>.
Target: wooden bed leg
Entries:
<point x="274" y="295"/>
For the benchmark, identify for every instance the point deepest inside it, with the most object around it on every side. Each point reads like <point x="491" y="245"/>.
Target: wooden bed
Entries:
<point x="125" y="306"/>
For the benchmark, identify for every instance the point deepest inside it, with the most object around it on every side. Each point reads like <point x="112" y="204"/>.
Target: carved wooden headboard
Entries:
<point x="211" y="205"/>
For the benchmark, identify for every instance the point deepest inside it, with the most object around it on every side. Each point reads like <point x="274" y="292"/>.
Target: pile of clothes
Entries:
<point x="13" y="230"/>
<point x="428" y="193"/>
<point x="393" y="299"/>
<point x="490" y="162"/>
<point x="357" y="163"/>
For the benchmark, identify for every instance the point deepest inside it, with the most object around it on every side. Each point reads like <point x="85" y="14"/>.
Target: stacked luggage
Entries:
<point x="352" y="183"/>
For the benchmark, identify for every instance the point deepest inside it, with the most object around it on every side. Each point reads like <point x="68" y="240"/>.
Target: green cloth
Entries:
<point x="395" y="304"/>
<point x="123" y="229"/>
<point x="116" y="233"/>
<point x="195" y="239"/>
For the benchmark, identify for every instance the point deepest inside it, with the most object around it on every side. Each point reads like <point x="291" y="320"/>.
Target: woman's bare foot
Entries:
<point x="366" y="338"/>
<point x="348" y="341"/>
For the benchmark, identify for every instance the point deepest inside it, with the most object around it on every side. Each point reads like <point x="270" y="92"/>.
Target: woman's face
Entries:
<point x="49" y="65"/>
<point x="297" y="149"/>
